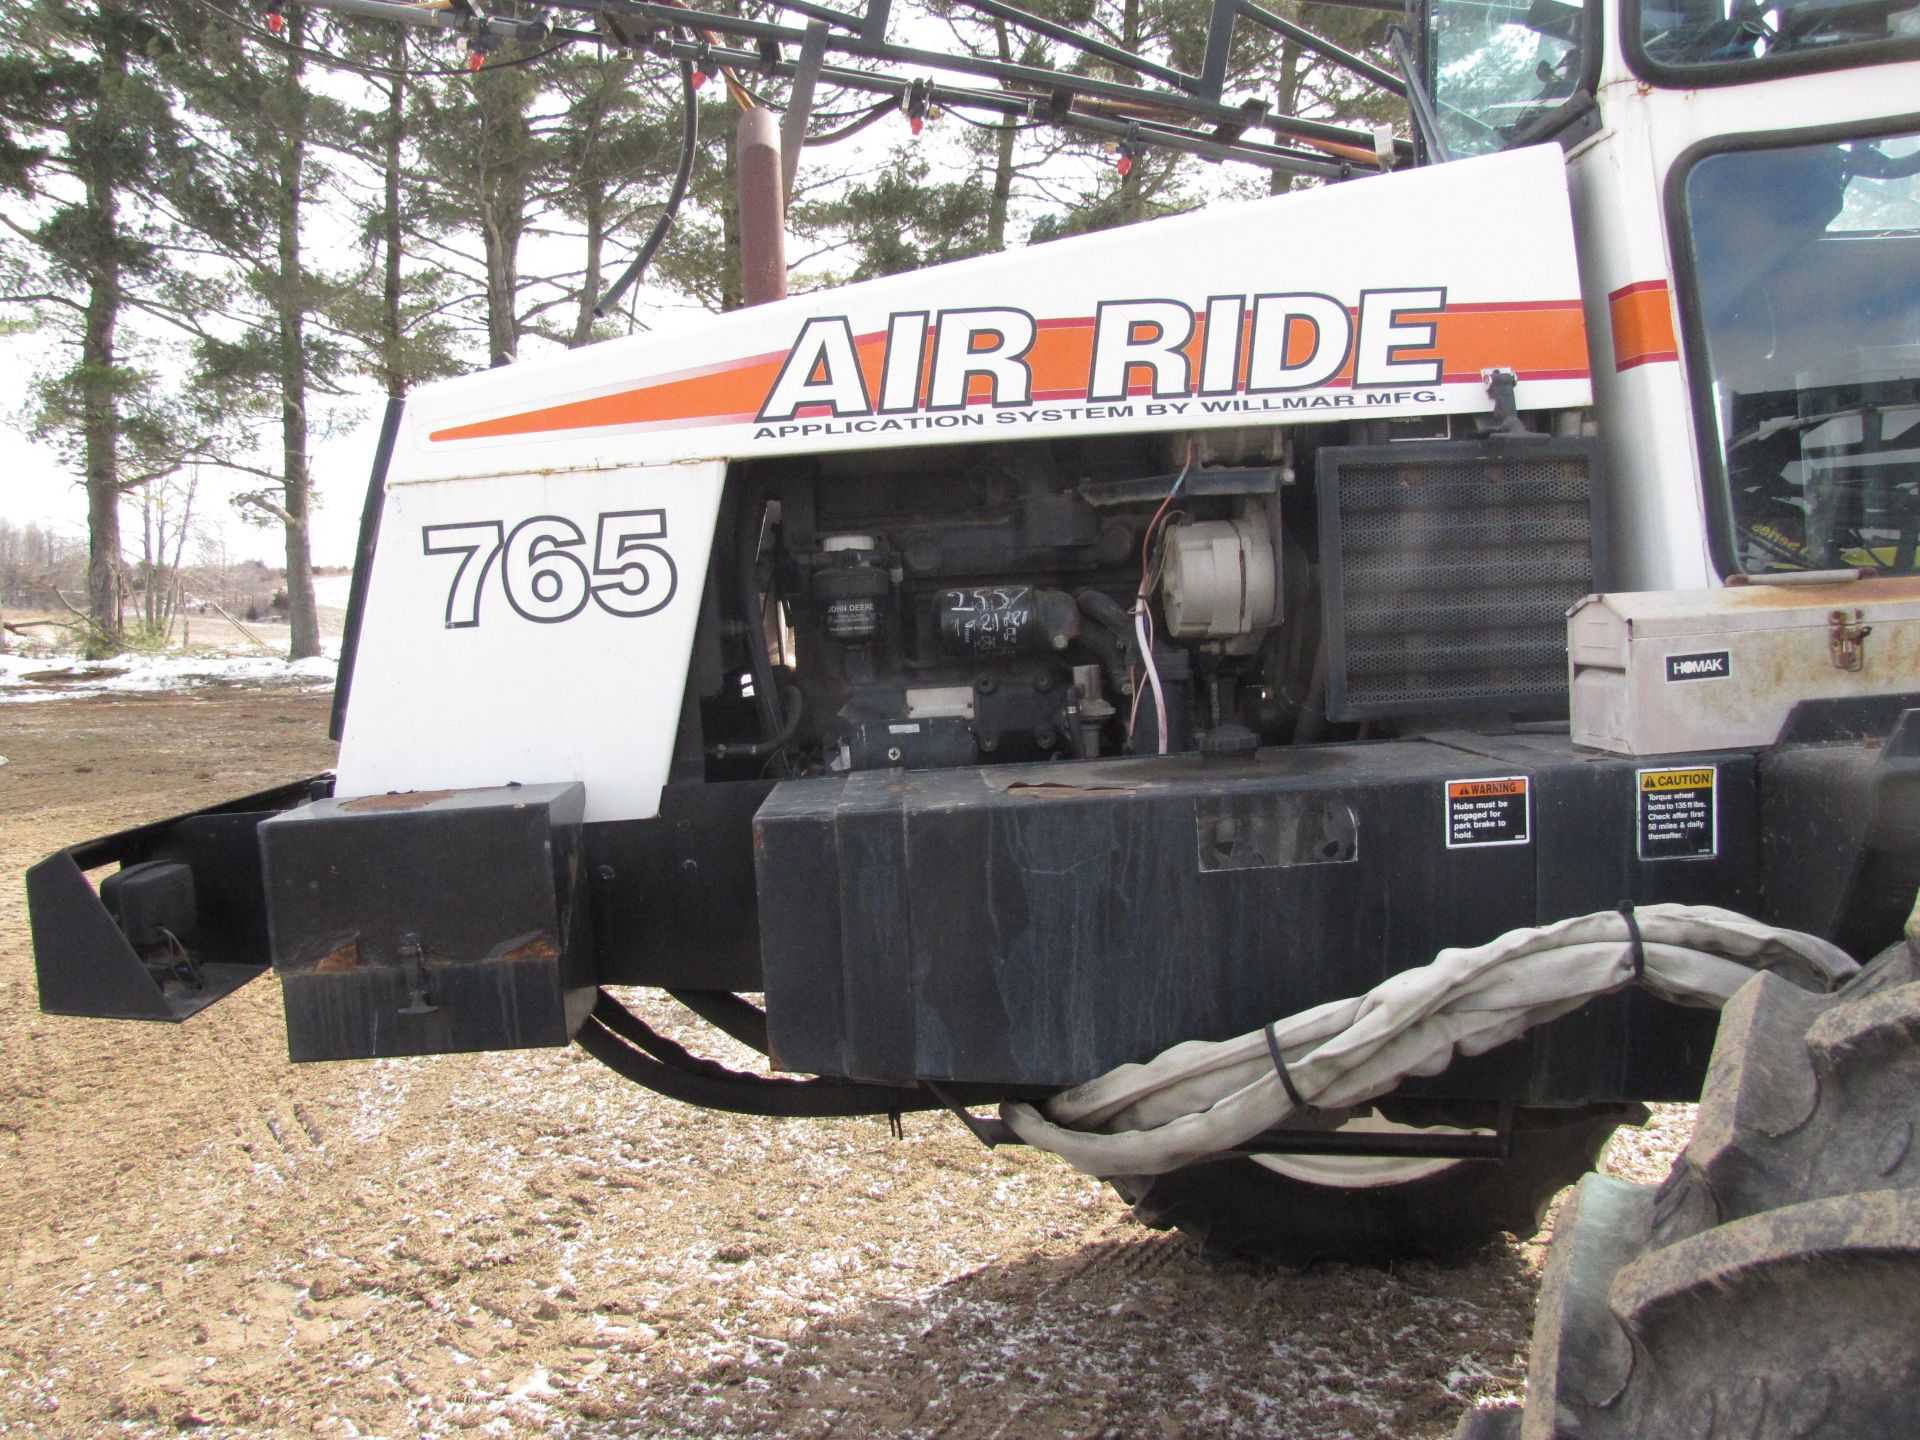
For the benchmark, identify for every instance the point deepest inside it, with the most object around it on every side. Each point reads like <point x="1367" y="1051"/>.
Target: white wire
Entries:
<point x="1202" y="1099"/>
<point x="1140" y="633"/>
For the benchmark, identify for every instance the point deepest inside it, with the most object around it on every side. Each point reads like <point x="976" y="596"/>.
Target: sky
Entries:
<point x="35" y="488"/>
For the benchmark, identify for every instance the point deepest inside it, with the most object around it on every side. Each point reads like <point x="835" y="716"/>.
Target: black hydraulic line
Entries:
<point x="729" y="1014"/>
<point x="1382" y="7"/>
<point x="1087" y="45"/>
<point x="756" y="749"/>
<point x="878" y="112"/>
<point x="689" y="149"/>
<point x="628" y="1046"/>
<point x="1325" y="49"/>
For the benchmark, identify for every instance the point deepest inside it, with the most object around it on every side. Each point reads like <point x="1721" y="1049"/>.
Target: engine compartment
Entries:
<point x="1076" y="599"/>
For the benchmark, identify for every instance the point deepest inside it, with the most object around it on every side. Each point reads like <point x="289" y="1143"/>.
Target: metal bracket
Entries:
<point x="1501" y="385"/>
<point x="1847" y="639"/>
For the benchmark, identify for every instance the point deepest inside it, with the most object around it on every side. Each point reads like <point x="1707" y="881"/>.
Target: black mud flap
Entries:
<point x="85" y="962"/>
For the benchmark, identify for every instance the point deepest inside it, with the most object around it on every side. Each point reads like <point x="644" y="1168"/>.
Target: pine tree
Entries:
<point x="265" y="168"/>
<point x="90" y="141"/>
<point x="392" y="314"/>
<point x="485" y="154"/>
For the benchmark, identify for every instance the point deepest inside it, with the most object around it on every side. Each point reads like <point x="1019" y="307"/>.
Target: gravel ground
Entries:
<point x="201" y="1237"/>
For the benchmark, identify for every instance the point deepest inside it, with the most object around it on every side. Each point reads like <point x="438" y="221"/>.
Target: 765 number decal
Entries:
<point x="544" y="569"/>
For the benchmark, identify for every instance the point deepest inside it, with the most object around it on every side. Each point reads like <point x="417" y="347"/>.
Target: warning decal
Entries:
<point x="1487" y="812"/>
<point x="1679" y="814"/>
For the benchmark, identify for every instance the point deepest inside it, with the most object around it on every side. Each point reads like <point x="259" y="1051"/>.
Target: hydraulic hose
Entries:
<point x="1204" y="1099"/>
<point x="628" y="1046"/>
<point x="756" y="749"/>
<point x="689" y="149"/>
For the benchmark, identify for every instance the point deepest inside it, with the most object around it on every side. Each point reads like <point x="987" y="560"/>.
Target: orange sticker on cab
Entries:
<point x="1492" y="811"/>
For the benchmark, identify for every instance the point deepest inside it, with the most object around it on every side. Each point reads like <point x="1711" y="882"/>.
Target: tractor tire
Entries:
<point x="1770" y="1286"/>
<point x="1240" y="1208"/>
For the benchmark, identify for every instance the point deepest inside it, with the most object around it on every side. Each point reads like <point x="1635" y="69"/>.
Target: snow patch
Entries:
<point x="62" y="676"/>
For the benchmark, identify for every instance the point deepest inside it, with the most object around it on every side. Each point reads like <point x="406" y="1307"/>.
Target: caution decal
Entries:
<point x="1679" y="813"/>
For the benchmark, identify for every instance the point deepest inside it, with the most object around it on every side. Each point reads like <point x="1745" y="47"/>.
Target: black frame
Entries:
<point x="1741" y="72"/>
<point x="1712" y="469"/>
<point x="363" y="565"/>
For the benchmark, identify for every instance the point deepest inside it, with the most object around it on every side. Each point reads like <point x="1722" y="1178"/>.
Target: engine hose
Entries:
<point x="1104" y="610"/>
<point x="631" y="1048"/>
<point x="755" y="748"/>
<point x="1116" y="626"/>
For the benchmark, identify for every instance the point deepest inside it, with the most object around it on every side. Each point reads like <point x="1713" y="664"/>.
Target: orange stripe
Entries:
<point x="1543" y="340"/>
<point x="1642" y="317"/>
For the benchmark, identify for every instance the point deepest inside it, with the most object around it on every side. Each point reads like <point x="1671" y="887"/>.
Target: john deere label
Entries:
<point x="1679" y="814"/>
<point x="1487" y="812"/>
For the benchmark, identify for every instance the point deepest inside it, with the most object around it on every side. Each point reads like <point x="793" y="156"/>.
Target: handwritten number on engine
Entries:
<point x="543" y="566"/>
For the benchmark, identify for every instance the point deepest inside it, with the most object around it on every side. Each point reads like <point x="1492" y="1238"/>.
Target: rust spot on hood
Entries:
<point x="397" y="800"/>
<point x="341" y="957"/>
<point x="1062" y="787"/>
<point x="1866" y="591"/>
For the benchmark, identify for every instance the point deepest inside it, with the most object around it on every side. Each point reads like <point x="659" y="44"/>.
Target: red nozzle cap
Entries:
<point x="1124" y="165"/>
<point x="276" y="22"/>
<point x="916" y="124"/>
<point x="475" y="60"/>
<point x="699" y="78"/>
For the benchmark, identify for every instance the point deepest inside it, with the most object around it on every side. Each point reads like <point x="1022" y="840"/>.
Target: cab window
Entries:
<point x="1725" y="39"/>
<point x="1497" y="70"/>
<point x="1802" y="286"/>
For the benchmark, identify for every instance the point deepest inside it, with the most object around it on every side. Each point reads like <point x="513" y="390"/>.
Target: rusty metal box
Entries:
<point x="429" y="921"/>
<point x="1658" y="672"/>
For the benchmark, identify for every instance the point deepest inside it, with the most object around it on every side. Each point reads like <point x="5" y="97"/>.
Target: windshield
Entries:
<point x="1498" y="68"/>
<point x="1682" y="33"/>
<point x="1806" y="288"/>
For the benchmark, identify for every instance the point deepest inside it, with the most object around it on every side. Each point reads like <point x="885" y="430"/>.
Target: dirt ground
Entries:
<point x="201" y="1237"/>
